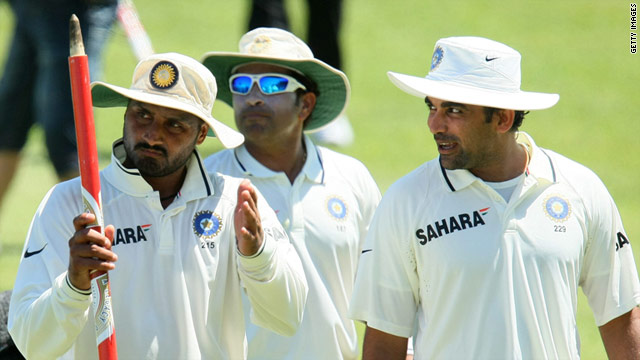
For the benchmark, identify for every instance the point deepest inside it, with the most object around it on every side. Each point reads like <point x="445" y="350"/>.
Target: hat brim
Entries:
<point x="107" y="95"/>
<point x="521" y="100"/>
<point x="333" y="85"/>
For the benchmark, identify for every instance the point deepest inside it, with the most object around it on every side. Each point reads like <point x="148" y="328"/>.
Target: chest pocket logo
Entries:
<point x="206" y="224"/>
<point x="337" y="208"/>
<point x="557" y="208"/>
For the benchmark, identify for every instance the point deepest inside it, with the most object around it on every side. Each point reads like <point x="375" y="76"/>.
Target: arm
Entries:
<point x="46" y="313"/>
<point x="621" y="336"/>
<point x="379" y="345"/>
<point x="269" y="267"/>
<point x="609" y="278"/>
<point x="410" y="349"/>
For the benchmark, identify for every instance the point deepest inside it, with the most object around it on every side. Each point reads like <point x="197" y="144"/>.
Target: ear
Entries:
<point x="505" y="120"/>
<point x="202" y="133"/>
<point x="307" y="104"/>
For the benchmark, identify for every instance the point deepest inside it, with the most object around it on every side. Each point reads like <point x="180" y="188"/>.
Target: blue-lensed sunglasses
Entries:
<point x="269" y="83"/>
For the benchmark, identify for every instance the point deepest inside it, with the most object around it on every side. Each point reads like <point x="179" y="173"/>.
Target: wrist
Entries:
<point x="77" y="290"/>
<point x="248" y="253"/>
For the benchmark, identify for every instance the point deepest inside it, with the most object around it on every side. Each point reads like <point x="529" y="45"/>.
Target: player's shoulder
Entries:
<point x="570" y="171"/>
<point x="224" y="186"/>
<point x="71" y="188"/>
<point x="426" y="174"/>
<point x="62" y="198"/>
<point x="219" y="160"/>
<point x="343" y="164"/>
<point x="422" y="180"/>
<point x="337" y="158"/>
<point x="341" y="169"/>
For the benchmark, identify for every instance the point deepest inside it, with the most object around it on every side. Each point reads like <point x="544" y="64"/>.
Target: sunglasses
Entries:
<point x="269" y="83"/>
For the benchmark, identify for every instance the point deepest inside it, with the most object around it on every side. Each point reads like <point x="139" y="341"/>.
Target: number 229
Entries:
<point x="559" y="228"/>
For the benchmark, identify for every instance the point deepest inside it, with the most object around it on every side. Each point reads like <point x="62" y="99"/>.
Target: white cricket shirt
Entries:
<point x="176" y="289"/>
<point x="326" y="212"/>
<point x="487" y="279"/>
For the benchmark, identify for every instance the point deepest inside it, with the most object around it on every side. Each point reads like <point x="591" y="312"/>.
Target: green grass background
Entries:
<point x="579" y="49"/>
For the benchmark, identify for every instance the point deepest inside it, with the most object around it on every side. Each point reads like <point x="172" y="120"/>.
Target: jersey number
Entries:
<point x="208" y="245"/>
<point x="559" y="228"/>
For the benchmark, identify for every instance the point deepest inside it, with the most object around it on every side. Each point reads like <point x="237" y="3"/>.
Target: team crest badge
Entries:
<point x="337" y="208"/>
<point x="206" y="224"/>
<point x="438" y="54"/>
<point x="164" y="75"/>
<point x="557" y="208"/>
<point x="260" y="45"/>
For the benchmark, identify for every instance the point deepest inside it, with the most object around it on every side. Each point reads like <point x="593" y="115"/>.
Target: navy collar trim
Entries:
<point x="553" y="169"/>
<point x="446" y="178"/>
<point x="235" y="155"/>
<point x="203" y="172"/>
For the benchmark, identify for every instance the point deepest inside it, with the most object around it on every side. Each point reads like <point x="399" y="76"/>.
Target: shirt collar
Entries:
<point x="540" y="167"/>
<point x="197" y="183"/>
<point x="313" y="168"/>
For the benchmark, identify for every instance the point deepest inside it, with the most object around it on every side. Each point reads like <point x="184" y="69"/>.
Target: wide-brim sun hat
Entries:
<point x="476" y="71"/>
<point x="282" y="48"/>
<point x="173" y="81"/>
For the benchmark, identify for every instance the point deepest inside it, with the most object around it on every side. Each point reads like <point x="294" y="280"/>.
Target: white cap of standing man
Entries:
<point x="173" y="81"/>
<point x="279" y="47"/>
<point x="475" y="71"/>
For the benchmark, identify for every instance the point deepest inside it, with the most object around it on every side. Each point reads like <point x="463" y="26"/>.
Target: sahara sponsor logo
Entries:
<point x="131" y="235"/>
<point x="621" y="241"/>
<point x="451" y="224"/>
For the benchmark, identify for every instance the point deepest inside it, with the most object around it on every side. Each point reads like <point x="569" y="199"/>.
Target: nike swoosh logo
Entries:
<point x="366" y="250"/>
<point x="29" y="254"/>
<point x="487" y="58"/>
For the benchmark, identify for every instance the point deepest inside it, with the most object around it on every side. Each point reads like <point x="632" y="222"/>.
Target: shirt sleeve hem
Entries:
<point x="385" y="326"/>
<point x="619" y="311"/>
<point x="260" y="250"/>
<point x="71" y="291"/>
<point x="261" y="258"/>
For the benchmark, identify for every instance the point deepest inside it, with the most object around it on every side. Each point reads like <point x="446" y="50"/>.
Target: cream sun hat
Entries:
<point x="476" y="71"/>
<point x="174" y="81"/>
<point x="280" y="47"/>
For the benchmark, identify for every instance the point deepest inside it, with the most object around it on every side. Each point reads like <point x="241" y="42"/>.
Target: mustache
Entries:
<point x="149" y="147"/>
<point x="441" y="137"/>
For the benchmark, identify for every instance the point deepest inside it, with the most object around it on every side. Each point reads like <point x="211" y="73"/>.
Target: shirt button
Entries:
<point x="286" y="223"/>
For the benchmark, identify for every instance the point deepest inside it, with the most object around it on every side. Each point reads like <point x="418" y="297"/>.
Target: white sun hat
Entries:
<point x="476" y="71"/>
<point x="173" y="81"/>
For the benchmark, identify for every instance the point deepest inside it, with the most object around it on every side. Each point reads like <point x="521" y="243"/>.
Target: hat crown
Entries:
<point x="274" y="43"/>
<point x="178" y="76"/>
<point x="476" y="62"/>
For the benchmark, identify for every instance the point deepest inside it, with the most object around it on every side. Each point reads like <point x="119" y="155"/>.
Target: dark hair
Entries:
<point x="517" y="119"/>
<point x="308" y="83"/>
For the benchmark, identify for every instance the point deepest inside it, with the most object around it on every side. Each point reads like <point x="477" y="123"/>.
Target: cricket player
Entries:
<point x="482" y="250"/>
<point x="182" y="246"/>
<point x="323" y="199"/>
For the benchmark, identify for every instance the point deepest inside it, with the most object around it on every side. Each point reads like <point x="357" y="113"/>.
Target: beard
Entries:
<point x="158" y="166"/>
<point x="455" y="162"/>
<point x="481" y="155"/>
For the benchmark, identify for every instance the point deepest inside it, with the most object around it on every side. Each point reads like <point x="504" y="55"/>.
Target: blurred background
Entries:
<point x="579" y="49"/>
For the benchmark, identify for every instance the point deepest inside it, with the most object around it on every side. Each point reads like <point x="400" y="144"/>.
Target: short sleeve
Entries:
<point x="609" y="276"/>
<point x="386" y="289"/>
